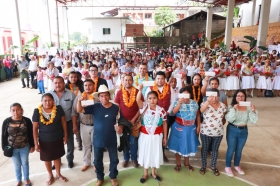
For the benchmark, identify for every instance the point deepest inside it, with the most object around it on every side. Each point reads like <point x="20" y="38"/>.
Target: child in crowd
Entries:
<point x="40" y="80"/>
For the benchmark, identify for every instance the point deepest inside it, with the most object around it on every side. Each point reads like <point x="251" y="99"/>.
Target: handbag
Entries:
<point x="135" y="129"/>
<point x="268" y="93"/>
<point x="8" y="150"/>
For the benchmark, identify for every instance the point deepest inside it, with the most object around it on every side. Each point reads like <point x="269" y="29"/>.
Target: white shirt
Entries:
<point x="190" y="70"/>
<point x="44" y="62"/>
<point x="33" y="65"/>
<point x="57" y="61"/>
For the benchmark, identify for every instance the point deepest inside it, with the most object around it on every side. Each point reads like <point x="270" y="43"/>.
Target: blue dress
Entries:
<point x="183" y="139"/>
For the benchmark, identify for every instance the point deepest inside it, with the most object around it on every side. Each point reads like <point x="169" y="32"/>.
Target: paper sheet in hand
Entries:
<point x="210" y="74"/>
<point x="177" y="75"/>
<point x="209" y="93"/>
<point x="148" y="83"/>
<point x="87" y="102"/>
<point x="186" y="96"/>
<point x="245" y="103"/>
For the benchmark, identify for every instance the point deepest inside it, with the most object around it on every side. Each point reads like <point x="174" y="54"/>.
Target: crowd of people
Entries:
<point x="166" y="90"/>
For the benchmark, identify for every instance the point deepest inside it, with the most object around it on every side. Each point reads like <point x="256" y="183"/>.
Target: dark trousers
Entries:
<point x="206" y="140"/>
<point x="70" y="142"/>
<point x="151" y="74"/>
<point x="27" y="82"/>
<point x="59" y="69"/>
<point x="98" y="162"/>
<point x="131" y="151"/>
<point x="33" y="75"/>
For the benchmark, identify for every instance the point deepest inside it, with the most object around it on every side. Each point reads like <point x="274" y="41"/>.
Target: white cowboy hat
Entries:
<point x="101" y="89"/>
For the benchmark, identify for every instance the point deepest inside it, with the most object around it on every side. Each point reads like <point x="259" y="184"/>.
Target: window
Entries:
<point x="148" y="16"/>
<point x="106" y="31"/>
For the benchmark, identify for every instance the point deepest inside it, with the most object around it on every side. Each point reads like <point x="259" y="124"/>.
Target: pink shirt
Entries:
<point x="40" y="76"/>
<point x="7" y="63"/>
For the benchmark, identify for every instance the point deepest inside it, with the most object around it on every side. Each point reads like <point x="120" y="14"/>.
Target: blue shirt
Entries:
<point x="104" y="119"/>
<point x="121" y="61"/>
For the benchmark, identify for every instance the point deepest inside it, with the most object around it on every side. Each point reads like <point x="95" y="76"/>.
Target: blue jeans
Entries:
<point x="11" y="72"/>
<point x="41" y="86"/>
<point x="7" y="71"/>
<point x="20" y="159"/>
<point x="98" y="162"/>
<point x="131" y="151"/>
<point x="236" y="139"/>
<point x="70" y="142"/>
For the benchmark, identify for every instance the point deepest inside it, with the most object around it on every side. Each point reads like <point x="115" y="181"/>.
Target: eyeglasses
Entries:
<point x="93" y="70"/>
<point x="240" y="96"/>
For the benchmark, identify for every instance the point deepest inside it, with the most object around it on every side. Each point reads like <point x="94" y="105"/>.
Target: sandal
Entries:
<point x="215" y="171"/>
<point x="202" y="170"/>
<point x="50" y="180"/>
<point x="177" y="168"/>
<point x="189" y="167"/>
<point x="62" y="178"/>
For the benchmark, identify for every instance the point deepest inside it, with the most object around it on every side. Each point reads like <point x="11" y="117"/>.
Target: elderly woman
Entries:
<point x="212" y="130"/>
<point x="153" y="133"/>
<point x="51" y="73"/>
<point x="237" y="131"/>
<point x="49" y="125"/>
<point x="17" y="133"/>
<point x="183" y="140"/>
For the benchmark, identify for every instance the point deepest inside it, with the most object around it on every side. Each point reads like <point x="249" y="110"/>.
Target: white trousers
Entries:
<point x="86" y="135"/>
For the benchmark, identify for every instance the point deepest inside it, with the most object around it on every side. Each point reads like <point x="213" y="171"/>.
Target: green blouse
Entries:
<point x="237" y="117"/>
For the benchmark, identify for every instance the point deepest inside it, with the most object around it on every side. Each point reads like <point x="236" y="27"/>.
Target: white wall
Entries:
<point x="117" y="27"/>
<point x="246" y="12"/>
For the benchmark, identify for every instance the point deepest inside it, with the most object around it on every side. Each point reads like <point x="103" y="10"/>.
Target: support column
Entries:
<point x="263" y="26"/>
<point x="46" y="24"/>
<point x="229" y="22"/>
<point x="57" y="28"/>
<point x="253" y="12"/>
<point x="15" y="28"/>
<point x="65" y="24"/>
<point x="209" y="25"/>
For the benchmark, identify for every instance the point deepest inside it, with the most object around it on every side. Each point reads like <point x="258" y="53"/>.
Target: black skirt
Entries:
<point x="51" y="150"/>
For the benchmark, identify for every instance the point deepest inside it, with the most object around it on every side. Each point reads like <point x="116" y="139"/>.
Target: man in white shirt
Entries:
<point x="44" y="62"/>
<point x="33" y="64"/>
<point x="58" y="61"/>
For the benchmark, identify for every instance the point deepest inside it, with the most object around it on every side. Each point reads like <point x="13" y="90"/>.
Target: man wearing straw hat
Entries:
<point x="105" y="128"/>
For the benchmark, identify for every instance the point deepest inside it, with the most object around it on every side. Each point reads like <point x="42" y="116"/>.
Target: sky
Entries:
<point x="30" y="12"/>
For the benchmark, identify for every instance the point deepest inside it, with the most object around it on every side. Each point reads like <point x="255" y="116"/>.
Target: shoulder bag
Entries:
<point x="135" y="129"/>
<point x="8" y="150"/>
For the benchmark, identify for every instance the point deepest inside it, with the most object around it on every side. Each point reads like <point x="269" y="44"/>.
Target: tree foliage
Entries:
<point x="155" y="33"/>
<point x="26" y="46"/>
<point x="164" y="16"/>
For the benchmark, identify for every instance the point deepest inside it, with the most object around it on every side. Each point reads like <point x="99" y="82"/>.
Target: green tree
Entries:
<point x="26" y="46"/>
<point x="164" y="16"/>
<point x="76" y="36"/>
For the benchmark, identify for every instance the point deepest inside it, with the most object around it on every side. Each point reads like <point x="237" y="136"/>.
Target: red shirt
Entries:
<point x="7" y="63"/>
<point x="127" y="112"/>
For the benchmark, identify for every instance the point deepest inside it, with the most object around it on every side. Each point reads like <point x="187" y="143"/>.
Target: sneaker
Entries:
<point x="229" y="172"/>
<point x="99" y="182"/>
<point x="239" y="170"/>
<point x="114" y="182"/>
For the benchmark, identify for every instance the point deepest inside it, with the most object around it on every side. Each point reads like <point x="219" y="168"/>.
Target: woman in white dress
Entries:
<point x="248" y="82"/>
<point x="107" y="75"/>
<point x="257" y="64"/>
<point x="264" y="81"/>
<point x="222" y="77"/>
<point x="51" y="73"/>
<point x="153" y="134"/>
<point x="232" y="80"/>
<point x="276" y="81"/>
<point x="180" y="70"/>
<point x="115" y="73"/>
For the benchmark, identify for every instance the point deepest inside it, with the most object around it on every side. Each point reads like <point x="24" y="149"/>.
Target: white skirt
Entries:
<point x="110" y="84"/>
<point x="248" y="82"/>
<point x="232" y="83"/>
<point x="50" y="85"/>
<point x="261" y="84"/>
<point x="150" y="150"/>
<point x="223" y="83"/>
<point x="276" y="83"/>
<point x="179" y="83"/>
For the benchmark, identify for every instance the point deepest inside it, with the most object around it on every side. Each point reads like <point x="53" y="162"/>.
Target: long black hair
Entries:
<point x="233" y="101"/>
<point x="79" y="82"/>
<point x="197" y="74"/>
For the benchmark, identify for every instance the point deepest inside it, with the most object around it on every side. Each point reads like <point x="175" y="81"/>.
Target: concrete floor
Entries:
<point x="260" y="158"/>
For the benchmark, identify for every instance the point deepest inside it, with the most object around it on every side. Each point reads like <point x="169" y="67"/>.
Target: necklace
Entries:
<point x="85" y="96"/>
<point x="74" y="88"/>
<point x="267" y="69"/>
<point x="95" y="84"/>
<point x="194" y="94"/>
<point x="53" y="114"/>
<point x="129" y="101"/>
<point x="137" y="77"/>
<point x="164" y="91"/>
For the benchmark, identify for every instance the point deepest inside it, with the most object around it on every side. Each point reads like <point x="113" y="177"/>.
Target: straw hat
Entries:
<point x="101" y="89"/>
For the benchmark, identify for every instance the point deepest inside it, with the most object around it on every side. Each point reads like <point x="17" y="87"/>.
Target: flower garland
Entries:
<point x="129" y="101"/>
<point x="164" y="91"/>
<point x="53" y="114"/>
<point x="71" y="86"/>
<point x="85" y="96"/>
<point x="249" y="69"/>
<point x="137" y="77"/>
<point x="194" y="95"/>
<point x="95" y="84"/>
<point x="267" y="69"/>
